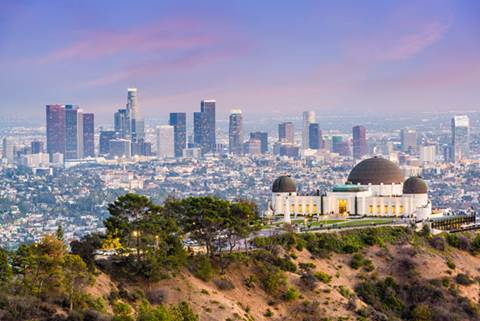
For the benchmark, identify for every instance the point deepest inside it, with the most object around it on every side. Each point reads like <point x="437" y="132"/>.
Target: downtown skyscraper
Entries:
<point x="235" y="132"/>
<point x="204" y="129"/>
<point x="88" y="135"/>
<point x="315" y="139"/>
<point x="55" y="120"/>
<point x="286" y="133"/>
<point x="359" y="142"/>
<point x="460" y="148"/>
<point x="73" y="132"/>
<point x="179" y="123"/>
<point x="308" y="118"/>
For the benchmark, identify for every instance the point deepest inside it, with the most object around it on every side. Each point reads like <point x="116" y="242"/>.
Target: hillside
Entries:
<point x="412" y="263"/>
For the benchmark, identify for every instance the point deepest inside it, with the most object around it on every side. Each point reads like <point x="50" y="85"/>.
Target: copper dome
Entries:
<point x="375" y="171"/>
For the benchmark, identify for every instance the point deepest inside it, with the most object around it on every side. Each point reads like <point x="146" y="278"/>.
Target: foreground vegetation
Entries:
<point x="48" y="281"/>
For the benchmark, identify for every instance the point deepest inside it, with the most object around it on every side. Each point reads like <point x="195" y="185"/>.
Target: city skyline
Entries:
<point x="341" y="57"/>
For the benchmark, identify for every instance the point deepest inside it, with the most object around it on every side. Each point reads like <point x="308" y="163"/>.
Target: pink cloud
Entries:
<point x="174" y="34"/>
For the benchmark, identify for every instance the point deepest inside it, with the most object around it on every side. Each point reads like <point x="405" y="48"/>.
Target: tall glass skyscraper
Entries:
<point x="179" y="123"/>
<point x="55" y="118"/>
<point x="308" y="118"/>
<point x="359" y="142"/>
<point x="73" y="132"/>
<point x="204" y="134"/>
<point x="88" y="135"/>
<point x="460" y="137"/>
<point x="315" y="140"/>
<point x="235" y="132"/>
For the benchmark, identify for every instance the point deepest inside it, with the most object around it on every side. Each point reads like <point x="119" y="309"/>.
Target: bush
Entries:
<point x="475" y="245"/>
<point x="451" y="265"/>
<point x="345" y="292"/>
<point x="437" y="243"/>
<point x="464" y="279"/>
<point x="323" y="277"/>
<point x="421" y="312"/>
<point x="306" y="266"/>
<point x="291" y="294"/>
<point x="224" y="284"/>
<point x="309" y="281"/>
<point x="357" y="261"/>
<point x="201" y="267"/>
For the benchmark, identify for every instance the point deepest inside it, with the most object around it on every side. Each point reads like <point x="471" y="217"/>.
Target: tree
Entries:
<point x="60" y="234"/>
<point x="86" y="247"/>
<point x="5" y="268"/>
<point x="76" y="277"/>
<point x="242" y="221"/>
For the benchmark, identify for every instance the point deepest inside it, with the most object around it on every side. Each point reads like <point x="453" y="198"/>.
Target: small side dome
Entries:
<point x="415" y="185"/>
<point x="284" y="184"/>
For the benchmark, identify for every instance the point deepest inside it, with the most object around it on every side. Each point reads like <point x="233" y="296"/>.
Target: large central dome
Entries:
<point x="375" y="171"/>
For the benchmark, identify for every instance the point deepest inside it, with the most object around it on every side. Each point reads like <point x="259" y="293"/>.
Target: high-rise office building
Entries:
<point x="55" y="118"/>
<point x="8" y="149"/>
<point x="428" y="154"/>
<point x="315" y="140"/>
<point x="408" y="138"/>
<point x="252" y="147"/>
<point x="105" y="137"/>
<point x="165" y="141"/>
<point x="120" y="148"/>
<point x="286" y="132"/>
<point x="308" y="118"/>
<point x="179" y="123"/>
<point x="235" y="132"/>
<point x="136" y="124"/>
<point x="340" y="146"/>
<point x="460" y="137"/>
<point x="208" y="107"/>
<point x="36" y="147"/>
<point x="204" y="126"/>
<point x="263" y="138"/>
<point x="122" y="123"/>
<point x="359" y="142"/>
<point x="88" y="135"/>
<point x="73" y="132"/>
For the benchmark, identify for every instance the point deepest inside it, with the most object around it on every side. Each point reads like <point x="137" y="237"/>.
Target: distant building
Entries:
<point x="289" y="150"/>
<point x="35" y="160"/>
<point x="408" y="137"/>
<point x="263" y="138"/>
<point x="252" y="147"/>
<point x="88" y="135"/>
<point x="122" y="123"/>
<point x="179" y="123"/>
<point x="204" y="126"/>
<point x="193" y="152"/>
<point x="340" y="146"/>
<point x="359" y="142"/>
<point x="165" y="141"/>
<point x="460" y="137"/>
<point x="315" y="139"/>
<point x="136" y="124"/>
<point x="73" y="132"/>
<point x="55" y="119"/>
<point x="8" y="149"/>
<point x="105" y="137"/>
<point x="428" y="154"/>
<point x="235" y="132"/>
<point x="308" y="118"/>
<point x="37" y="147"/>
<point x="120" y="147"/>
<point x="286" y="133"/>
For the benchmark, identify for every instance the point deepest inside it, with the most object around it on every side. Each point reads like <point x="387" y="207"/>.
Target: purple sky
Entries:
<point x="260" y="56"/>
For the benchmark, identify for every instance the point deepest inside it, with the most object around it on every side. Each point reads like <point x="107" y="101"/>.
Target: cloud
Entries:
<point x="408" y="45"/>
<point x="167" y="35"/>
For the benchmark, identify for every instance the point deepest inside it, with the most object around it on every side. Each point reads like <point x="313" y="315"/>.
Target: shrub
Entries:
<point x="306" y="266"/>
<point x="201" y="267"/>
<point x="437" y="243"/>
<point x="309" y="281"/>
<point x="345" y="292"/>
<point x="291" y="294"/>
<point x="224" y="284"/>
<point x="451" y="265"/>
<point x="464" y="279"/>
<point x="268" y="313"/>
<point x="357" y="261"/>
<point x="475" y="245"/>
<point x="421" y="312"/>
<point x="250" y="281"/>
<point x="323" y="277"/>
